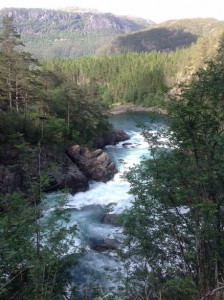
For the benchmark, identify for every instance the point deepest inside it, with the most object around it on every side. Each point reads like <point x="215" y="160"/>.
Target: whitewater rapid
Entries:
<point x="116" y="191"/>
<point x="87" y="209"/>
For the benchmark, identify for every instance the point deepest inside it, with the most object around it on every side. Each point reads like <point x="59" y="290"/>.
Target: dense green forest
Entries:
<point x="140" y="78"/>
<point x="175" y="227"/>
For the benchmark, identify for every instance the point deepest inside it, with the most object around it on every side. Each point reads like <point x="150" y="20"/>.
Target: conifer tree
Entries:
<point x="9" y="41"/>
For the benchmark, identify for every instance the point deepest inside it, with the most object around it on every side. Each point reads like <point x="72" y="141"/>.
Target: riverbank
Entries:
<point x="134" y="108"/>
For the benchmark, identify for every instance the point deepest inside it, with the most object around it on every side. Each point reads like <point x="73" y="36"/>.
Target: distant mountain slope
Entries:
<point x="70" y="32"/>
<point x="162" y="39"/>
<point x="167" y="36"/>
<point x="197" y="26"/>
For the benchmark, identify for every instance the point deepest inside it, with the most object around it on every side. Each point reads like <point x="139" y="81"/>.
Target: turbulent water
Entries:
<point x="88" y="208"/>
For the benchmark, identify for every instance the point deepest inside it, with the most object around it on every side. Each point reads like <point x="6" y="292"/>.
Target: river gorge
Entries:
<point x="96" y="211"/>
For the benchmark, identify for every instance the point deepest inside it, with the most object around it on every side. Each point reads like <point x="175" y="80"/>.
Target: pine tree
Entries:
<point x="9" y="41"/>
<point x="17" y="69"/>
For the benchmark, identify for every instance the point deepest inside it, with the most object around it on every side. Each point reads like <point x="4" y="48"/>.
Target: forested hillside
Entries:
<point x="69" y="33"/>
<point x="167" y="36"/>
<point x="73" y="33"/>
<point x="139" y="78"/>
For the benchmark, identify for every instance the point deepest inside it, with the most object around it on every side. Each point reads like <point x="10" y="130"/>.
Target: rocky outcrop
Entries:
<point x="96" y="165"/>
<point x="75" y="180"/>
<point x="112" y="138"/>
<point x="72" y="170"/>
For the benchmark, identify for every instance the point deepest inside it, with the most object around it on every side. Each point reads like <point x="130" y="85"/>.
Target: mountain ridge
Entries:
<point x="73" y="32"/>
<point x="166" y="36"/>
<point x="58" y="33"/>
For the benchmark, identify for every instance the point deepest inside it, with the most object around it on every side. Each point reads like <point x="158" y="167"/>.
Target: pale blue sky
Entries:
<point x="155" y="10"/>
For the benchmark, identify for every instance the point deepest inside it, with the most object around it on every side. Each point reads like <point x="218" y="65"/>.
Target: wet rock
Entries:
<point x="75" y="180"/>
<point x="126" y="144"/>
<point x="95" y="165"/>
<point x="72" y="169"/>
<point x="104" y="244"/>
<point x="112" y="138"/>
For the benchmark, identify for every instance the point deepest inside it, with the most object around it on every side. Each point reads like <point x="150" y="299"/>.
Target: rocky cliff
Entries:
<point x="21" y="167"/>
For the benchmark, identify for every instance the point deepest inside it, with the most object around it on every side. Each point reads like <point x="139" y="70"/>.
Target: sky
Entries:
<point x="154" y="10"/>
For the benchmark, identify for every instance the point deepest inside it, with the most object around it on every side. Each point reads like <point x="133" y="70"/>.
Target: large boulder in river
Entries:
<point x="104" y="244"/>
<point x="71" y="171"/>
<point x="96" y="165"/>
<point x="75" y="180"/>
<point x="101" y="168"/>
<point x="112" y="138"/>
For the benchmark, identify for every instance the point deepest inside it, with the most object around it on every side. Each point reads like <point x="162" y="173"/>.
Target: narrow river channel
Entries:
<point x="88" y="209"/>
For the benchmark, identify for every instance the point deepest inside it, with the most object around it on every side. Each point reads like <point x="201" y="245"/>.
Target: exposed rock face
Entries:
<point x="95" y="165"/>
<point x="75" y="180"/>
<point x="72" y="171"/>
<point x="112" y="138"/>
<point x="56" y="33"/>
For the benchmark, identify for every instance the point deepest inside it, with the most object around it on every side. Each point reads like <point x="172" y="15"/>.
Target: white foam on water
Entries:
<point x="88" y="208"/>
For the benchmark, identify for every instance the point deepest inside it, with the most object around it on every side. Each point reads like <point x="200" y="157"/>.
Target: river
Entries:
<point x="89" y="208"/>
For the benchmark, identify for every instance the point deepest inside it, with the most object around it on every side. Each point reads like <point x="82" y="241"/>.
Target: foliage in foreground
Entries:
<point x="35" y="239"/>
<point x="175" y="227"/>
